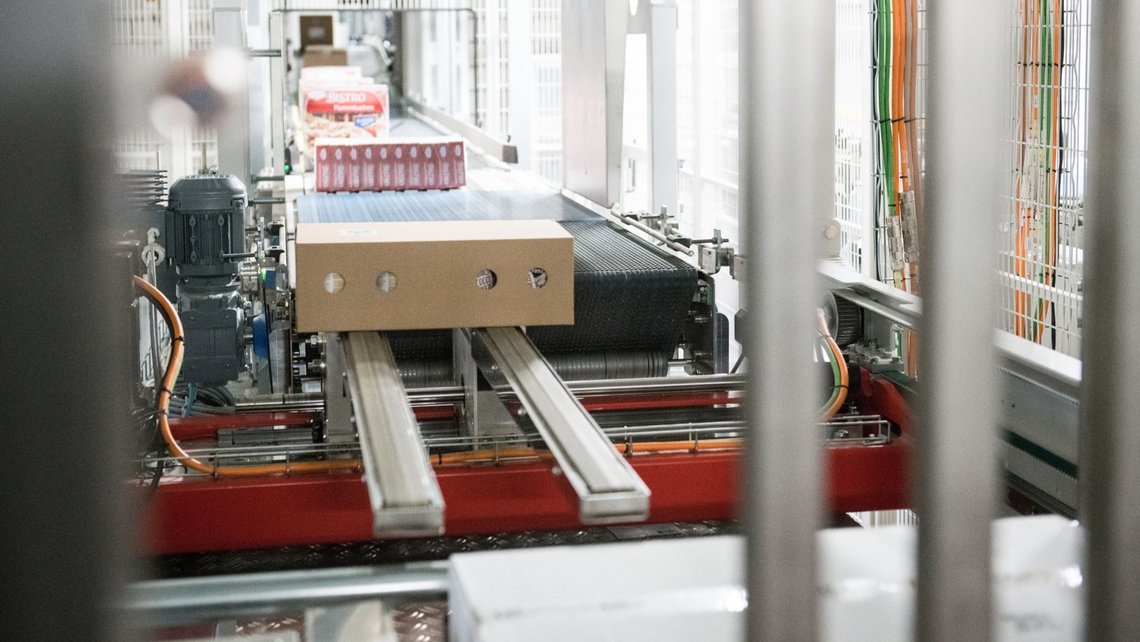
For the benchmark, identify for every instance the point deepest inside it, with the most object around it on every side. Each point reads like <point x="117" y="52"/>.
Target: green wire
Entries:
<point x="838" y="377"/>
<point x="885" y="134"/>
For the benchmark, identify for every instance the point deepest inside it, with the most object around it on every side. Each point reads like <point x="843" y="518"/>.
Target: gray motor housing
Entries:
<point x="205" y="228"/>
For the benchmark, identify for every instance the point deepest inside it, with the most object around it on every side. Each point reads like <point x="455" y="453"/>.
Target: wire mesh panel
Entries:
<point x="145" y="33"/>
<point x="546" y="121"/>
<point x="853" y="178"/>
<point x="1042" y="256"/>
<point x="140" y="33"/>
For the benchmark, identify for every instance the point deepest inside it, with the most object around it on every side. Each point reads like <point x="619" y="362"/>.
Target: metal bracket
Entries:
<point x="405" y="496"/>
<point x="483" y="412"/>
<point x="607" y="487"/>
<point x="338" y="400"/>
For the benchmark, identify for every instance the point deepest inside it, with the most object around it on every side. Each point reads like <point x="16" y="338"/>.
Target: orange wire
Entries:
<point x="844" y="375"/>
<point x="177" y="351"/>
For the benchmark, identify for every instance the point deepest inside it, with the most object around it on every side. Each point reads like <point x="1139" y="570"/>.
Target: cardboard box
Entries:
<point x="321" y="56"/>
<point x="428" y="275"/>
<point x="316" y="30"/>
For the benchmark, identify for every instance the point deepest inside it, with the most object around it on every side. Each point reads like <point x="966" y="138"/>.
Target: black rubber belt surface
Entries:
<point x="628" y="297"/>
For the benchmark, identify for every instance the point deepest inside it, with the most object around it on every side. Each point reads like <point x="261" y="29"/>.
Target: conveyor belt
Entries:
<point x="630" y="300"/>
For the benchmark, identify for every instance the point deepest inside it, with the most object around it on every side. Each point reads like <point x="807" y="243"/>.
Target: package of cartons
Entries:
<point x="392" y="164"/>
<point x="433" y="275"/>
<point x="335" y="110"/>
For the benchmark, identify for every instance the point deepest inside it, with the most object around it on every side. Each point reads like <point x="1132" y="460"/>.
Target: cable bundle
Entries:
<point x="1039" y="161"/>
<point x="898" y="161"/>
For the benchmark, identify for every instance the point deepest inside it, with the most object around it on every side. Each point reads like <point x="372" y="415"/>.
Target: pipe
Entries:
<point x="787" y="130"/>
<point x="171" y="602"/>
<point x="1110" y="441"/>
<point x="957" y="468"/>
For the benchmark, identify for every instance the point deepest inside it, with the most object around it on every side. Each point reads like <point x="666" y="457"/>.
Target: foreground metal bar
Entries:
<point x="1110" y="450"/>
<point x="56" y="54"/>
<point x="607" y="487"/>
<point x="957" y="464"/>
<point x="157" y="603"/>
<point x="403" y="490"/>
<point x="787" y="125"/>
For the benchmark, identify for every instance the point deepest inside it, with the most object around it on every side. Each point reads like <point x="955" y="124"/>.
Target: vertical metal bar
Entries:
<point x="957" y="468"/>
<point x="1110" y="450"/>
<point x="66" y="377"/>
<point x="661" y="39"/>
<point x="787" y="128"/>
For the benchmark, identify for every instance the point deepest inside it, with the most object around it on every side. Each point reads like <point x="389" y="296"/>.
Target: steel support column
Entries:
<point x="1110" y="407"/>
<point x="787" y="124"/>
<point x="957" y="465"/>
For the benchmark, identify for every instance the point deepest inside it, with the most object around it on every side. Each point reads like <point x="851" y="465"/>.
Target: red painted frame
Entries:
<point x="227" y="514"/>
<point x="194" y="515"/>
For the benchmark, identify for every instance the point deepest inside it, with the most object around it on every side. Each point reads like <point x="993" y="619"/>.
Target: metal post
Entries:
<point x="663" y="160"/>
<point x="957" y="467"/>
<point x="787" y="124"/>
<point x="66" y="375"/>
<point x="1110" y="447"/>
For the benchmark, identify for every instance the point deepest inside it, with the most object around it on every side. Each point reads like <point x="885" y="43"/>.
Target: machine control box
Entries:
<point x="433" y="275"/>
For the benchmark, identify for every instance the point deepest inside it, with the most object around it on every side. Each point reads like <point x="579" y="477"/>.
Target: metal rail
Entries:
<point x="172" y="602"/>
<point x="843" y="431"/>
<point x="607" y="487"/>
<point x="581" y="389"/>
<point x="405" y="496"/>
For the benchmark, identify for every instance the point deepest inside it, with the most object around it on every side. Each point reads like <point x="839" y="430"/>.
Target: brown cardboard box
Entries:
<point x="424" y="275"/>
<point x="321" y="56"/>
<point x="316" y="30"/>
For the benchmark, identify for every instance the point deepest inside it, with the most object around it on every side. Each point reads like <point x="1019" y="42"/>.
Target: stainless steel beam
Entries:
<point x="608" y="489"/>
<point x="957" y="464"/>
<point x="173" y="602"/>
<point x="495" y="148"/>
<point x="1110" y="406"/>
<point x="405" y="496"/>
<point x="787" y="129"/>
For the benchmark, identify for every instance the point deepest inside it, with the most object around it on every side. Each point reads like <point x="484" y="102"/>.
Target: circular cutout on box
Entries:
<point x="486" y="279"/>
<point x="386" y="282"/>
<point x="334" y="282"/>
<point x="536" y="277"/>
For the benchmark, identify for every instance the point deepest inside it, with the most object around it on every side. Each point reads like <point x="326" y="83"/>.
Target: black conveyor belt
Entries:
<point x="630" y="300"/>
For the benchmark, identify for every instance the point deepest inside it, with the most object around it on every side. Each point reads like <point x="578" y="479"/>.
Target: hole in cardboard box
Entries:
<point x="486" y="279"/>
<point x="386" y="282"/>
<point x="536" y="277"/>
<point x="334" y="282"/>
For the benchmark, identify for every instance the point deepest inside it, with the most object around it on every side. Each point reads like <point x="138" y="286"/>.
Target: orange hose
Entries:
<point x="844" y="375"/>
<point x="490" y="454"/>
<point x="177" y="352"/>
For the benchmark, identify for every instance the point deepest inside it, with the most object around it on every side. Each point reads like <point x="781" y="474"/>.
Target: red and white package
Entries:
<point x="354" y="163"/>
<point x="431" y="167"/>
<point x="400" y="166"/>
<point x="385" y="176"/>
<point x="345" y="111"/>
<point x="369" y="168"/>
<point x="457" y="152"/>
<point x="323" y="166"/>
<point x="415" y="166"/>
<point x="345" y="164"/>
